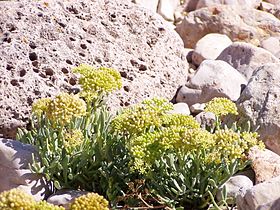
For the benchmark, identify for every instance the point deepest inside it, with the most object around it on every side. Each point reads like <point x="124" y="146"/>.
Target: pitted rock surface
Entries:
<point x="41" y="41"/>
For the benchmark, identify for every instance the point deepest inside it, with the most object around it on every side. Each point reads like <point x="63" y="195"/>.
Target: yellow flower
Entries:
<point x="41" y="106"/>
<point x="221" y="107"/>
<point x="73" y="139"/>
<point x="97" y="81"/>
<point x="181" y="120"/>
<point x="90" y="201"/>
<point x="64" y="107"/>
<point x="149" y="147"/>
<point x="138" y="118"/>
<point x="43" y="205"/>
<point x="15" y="199"/>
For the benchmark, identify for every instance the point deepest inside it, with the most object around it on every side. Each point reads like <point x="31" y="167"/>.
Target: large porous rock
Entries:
<point x="212" y="79"/>
<point x="210" y="47"/>
<point x="265" y="163"/>
<point x="42" y="41"/>
<point x="259" y="104"/>
<point x="15" y="158"/>
<point x="247" y="3"/>
<point x="246" y="58"/>
<point x="259" y="195"/>
<point x="238" y="23"/>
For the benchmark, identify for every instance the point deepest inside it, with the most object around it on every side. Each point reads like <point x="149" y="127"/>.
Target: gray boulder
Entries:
<point x="42" y="41"/>
<point x="259" y="104"/>
<point x="260" y="195"/>
<point x="212" y="79"/>
<point x="246" y="58"/>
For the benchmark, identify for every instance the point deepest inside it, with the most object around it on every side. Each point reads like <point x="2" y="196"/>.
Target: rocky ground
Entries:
<point x="187" y="51"/>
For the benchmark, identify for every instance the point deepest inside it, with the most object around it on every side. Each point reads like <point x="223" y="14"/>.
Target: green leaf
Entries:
<point x="57" y="185"/>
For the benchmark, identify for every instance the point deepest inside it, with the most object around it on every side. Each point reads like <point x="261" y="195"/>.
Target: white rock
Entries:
<point x="148" y="4"/>
<point x="236" y="185"/>
<point x="206" y="119"/>
<point x="210" y="47"/>
<point x="272" y="44"/>
<point x="166" y="8"/>
<point x="212" y="79"/>
<point x="181" y="108"/>
<point x="197" y="108"/>
<point x="65" y="197"/>
<point x="14" y="169"/>
<point x="246" y="58"/>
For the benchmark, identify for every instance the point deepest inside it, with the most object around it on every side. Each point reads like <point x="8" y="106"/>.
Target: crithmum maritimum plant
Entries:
<point x="183" y="164"/>
<point x="71" y="132"/>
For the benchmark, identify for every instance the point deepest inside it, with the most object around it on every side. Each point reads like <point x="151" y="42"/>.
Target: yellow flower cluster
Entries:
<point x="43" y="205"/>
<point x="138" y="118"/>
<point x="97" y="81"/>
<point x="64" y="107"/>
<point x="73" y="139"/>
<point x="221" y="107"/>
<point x="61" y="109"/>
<point x="229" y="145"/>
<point x="41" y="106"/>
<point x="15" y="199"/>
<point x="180" y="120"/>
<point x="150" y="146"/>
<point x="90" y="201"/>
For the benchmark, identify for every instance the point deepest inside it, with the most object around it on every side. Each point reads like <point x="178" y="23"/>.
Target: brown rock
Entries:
<point x="238" y="23"/>
<point x="265" y="163"/>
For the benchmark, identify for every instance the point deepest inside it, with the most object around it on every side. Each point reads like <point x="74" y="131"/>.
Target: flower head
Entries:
<point x="149" y="147"/>
<point x="138" y="118"/>
<point x="16" y="199"/>
<point x="90" y="201"/>
<point x="43" y="205"/>
<point x="180" y="120"/>
<point x="73" y="139"/>
<point x="41" y="106"/>
<point x="64" y="107"/>
<point x="97" y="81"/>
<point x="221" y="107"/>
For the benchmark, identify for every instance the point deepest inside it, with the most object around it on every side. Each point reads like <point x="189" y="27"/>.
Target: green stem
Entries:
<point x="213" y="201"/>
